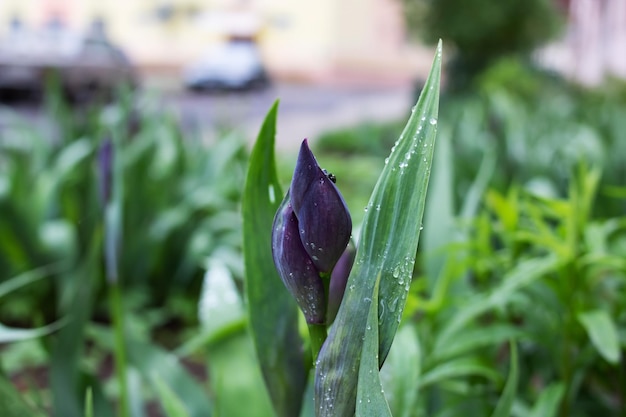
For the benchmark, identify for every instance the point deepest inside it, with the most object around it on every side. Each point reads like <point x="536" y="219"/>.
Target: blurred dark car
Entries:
<point x="87" y="66"/>
<point x="234" y="65"/>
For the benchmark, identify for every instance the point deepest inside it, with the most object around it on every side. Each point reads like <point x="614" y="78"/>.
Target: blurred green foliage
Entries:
<point x="179" y="198"/>
<point x="180" y="202"/>
<point x="482" y="31"/>
<point x="523" y="245"/>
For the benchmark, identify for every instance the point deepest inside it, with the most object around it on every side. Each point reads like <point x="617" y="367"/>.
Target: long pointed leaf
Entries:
<point x="273" y="312"/>
<point x="387" y="247"/>
<point x="505" y="403"/>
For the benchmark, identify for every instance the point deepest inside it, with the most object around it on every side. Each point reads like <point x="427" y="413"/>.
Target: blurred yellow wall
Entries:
<point x="311" y="40"/>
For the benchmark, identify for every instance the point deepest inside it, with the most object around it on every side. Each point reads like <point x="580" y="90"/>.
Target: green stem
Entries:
<point x="119" y="351"/>
<point x="317" y="333"/>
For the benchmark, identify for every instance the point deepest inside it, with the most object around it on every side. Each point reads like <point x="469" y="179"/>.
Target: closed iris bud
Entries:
<point x="295" y="267"/>
<point x="324" y="222"/>
<point x="311" y="230"/>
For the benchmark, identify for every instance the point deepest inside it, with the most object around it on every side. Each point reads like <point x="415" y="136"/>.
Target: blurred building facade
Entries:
<point x="594" y="45"/>
<point x="313" y="41"/>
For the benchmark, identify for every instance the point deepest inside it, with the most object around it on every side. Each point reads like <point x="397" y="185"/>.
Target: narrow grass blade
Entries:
<point x="386" y="249"/>
<point x="603" y="334"/>
<point x="273" y="312"/>
<point x="505" y="403"/>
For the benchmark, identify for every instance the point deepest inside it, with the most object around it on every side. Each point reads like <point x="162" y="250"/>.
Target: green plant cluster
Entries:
<point x="179" y="206"/>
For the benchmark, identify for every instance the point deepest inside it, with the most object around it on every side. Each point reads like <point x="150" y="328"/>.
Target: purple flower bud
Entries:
<point x="324" y="222"/>
<point x="105" y="169"/>
<point x="311" y="230"/>
<point x="294" y="265"/>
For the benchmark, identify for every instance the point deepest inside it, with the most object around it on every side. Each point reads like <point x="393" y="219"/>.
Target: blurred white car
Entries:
<point x="235" y="65"/>
<point x="86" y="65"/>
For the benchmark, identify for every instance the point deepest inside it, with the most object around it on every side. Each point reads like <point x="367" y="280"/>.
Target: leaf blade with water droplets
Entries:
<point x="387" y="248"/>
<point x="273" y="313"/>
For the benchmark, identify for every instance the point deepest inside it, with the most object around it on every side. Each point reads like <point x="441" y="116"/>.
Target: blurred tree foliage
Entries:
<point x="482" y="31"/>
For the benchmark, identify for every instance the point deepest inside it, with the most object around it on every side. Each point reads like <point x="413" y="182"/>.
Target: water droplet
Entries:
<point x="432" y="121"/>
<point x="272" y="194"/>
<point x="393" y="304"/>
<point x="377" y="207"/>
<point x="386" y="161"/>
<point x="396" y="272"/>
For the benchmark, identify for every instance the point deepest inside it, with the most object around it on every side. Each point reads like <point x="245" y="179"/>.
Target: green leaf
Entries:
<point x="89" y="402"/>
<point x="603" y="334"/>
<point x="220" y="304"/>
<point x="11" y="402"/>
<point x="155" y="363"/>
<point x="439" y="220"/>
<point x="386" y="249"/>
<point x="370" y="397"/>
<point x="68" y="344"/>
<point x="10" y="334"/>
<point x="473" y="338"/>
<point x="236" y="380"/>
<point x="401" y="373"/>
<point x="505" y="403"/>
<point x="171" y="403"/>
<point x="26" y="278"/>
<point x="522" y="275"/>
<point x="548" y="402"/>
<point x="273" y="312"/>
<point x="456" y="368"/>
